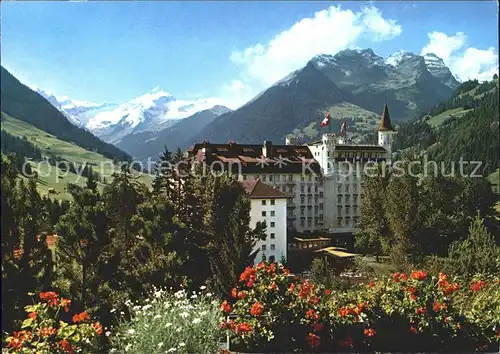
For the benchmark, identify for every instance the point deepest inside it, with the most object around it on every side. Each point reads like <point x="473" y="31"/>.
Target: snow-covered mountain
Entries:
<point x="153" y="111"/>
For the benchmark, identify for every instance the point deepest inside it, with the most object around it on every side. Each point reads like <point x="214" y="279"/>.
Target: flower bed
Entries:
<point x="413" y="312"/>
<point x="45" y="332"/>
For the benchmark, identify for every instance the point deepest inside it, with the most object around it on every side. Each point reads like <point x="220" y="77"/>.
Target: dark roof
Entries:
<point x="250" y="157"/>
<point x="258" y="190"/>
<point x="385" y="122"/>
<point x="343" y="147"/>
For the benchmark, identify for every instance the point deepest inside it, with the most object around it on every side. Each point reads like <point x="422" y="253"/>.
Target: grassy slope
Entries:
<point x="49" y="177"/>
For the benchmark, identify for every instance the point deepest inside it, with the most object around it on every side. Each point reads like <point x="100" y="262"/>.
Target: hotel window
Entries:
<point x="355" y="200"/>
<point x="272" y="259"/>
<point x="277" y="178"/>
<point x="264" y="202"/>
<point x="348" y="221"/>
<point x="339" y="199"/>
<point x="310" y="178"/>
<point x="347" y="198"/>
<point x="302" y="178"/>
<point x="339" y="210"/>
<point x="321" y="217"/>
<point x="320" y="206"/>
<point x="272" y="213"/>
<point x="347" y="209"/>
<point x="302" y="200"/>
<point x="273" y="236"/>
<point x="365" y="155"/>
<point x="302" y="189"/>
<point x="272" y="224"/>
<point x="321" y="194"/>
<point x="264" y="247"/>
<point x="290" y="178"/>
<point x="263" y="213"/>
<point x="339" y="189"/>
<point x="315" y="189"/>
<point x="342" y="154"/>
<point x="272" y="201"/>
<point x="244" y="177"/>
<point x="270" y="178"/>
<point x="302" y="210"/>
<point x="339" y="221"/>
<point x="315" y="199"/>
<point x="309" y="222"/>
<point x="290" y="189"/>
<point x="284" y="178"/>
<point x="347" y="189"/>
<point x="308" y="189"/>
<point x="273" y="247"/>
<point x="351" y="154"/>
<point x="302" y="221"/>
<point x="309" y="200"/>
<point x="355" y="209"/>
<point x="315" y="209"/>
<point x="263" y="178"/>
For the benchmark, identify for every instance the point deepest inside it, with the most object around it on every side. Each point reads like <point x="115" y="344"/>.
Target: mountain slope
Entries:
<point x="149" y="144"/>
<point x="48" y="145"/>
<point x="291" y="103"/>
<point x="470" y="133"/>
<point x="358" y="79"/>
<point x="17" y="100"/>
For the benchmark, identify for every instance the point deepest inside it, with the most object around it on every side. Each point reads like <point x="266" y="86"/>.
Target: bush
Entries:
<point x="402" y="313"/>
<point x="167" y="322"/>
<point x="45" y="331"/>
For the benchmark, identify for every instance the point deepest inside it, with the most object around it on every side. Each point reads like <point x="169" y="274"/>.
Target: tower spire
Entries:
<point x="385" y="122"/>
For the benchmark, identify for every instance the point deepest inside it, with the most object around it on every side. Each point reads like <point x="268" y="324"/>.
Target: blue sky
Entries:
<point x="115" y="51"/>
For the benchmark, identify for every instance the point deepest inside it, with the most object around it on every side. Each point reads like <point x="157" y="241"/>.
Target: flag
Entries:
<point x="343" y="127"/>
<point x="326" y="121"/>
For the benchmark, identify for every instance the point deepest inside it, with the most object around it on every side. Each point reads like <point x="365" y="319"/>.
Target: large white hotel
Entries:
<point x="322" y="183"/>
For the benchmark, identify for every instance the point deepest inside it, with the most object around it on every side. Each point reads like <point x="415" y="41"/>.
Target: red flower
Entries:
<point x="436" y="306"/>
<point x="411" y="289"/>
<point x="347" y="342"/>
<point x="370" y="332"/>
<point x="66" y="346"/>
<point x="32" y="315"/>
<point x="243" y="328"/>
<point x="420" y="310"/>
<point x="450" y="288"/>
<point x="314" y="300"/>
<point x="413" y="297"/>
<point x="234" y="293"/>
<point x="362" y="306"/>
<point x="256" y="309"/>
<point x="66" y="303"/>
<point x="291" y="288"/>
<point x="47" y="331"/>
<point x="272" y="268"/>
<point x="328" y="292"/>
<point x="395" y="277"/>
<point x="478" y="285"/>
<point x="419" y="275"/>
<point x="371" y="285"/>
<point x="403" y="277"/>
<point x="80" y="317"/>
<point x="343" y="311"/>
<point x="241" y="295"/>
<point x="313" y="315"/>
<point x="261" y="265"/>
<point x="247" y="274"/>
<point x="250" y="283"/>
<point x="313" y="340"/>
<point x="443" y="279"/>
<point x="50" y="297"/>
<point x="225" y="307"/>
<point x="413" y="330"/>
<point x="98" y="327"/>
<point x="317" y="327"/>
<point x="273" y="285"/>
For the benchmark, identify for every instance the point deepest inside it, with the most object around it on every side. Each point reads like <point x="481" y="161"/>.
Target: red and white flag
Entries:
<point x="343" y="127"/>
<point x="326" y="121"/>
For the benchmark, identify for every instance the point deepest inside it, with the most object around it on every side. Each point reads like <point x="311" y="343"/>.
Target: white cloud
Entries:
<point x="464" y="63"/>
<point x="327" y="32"/>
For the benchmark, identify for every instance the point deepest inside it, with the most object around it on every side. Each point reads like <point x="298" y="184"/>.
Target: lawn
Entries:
<point x="53" y="177"/>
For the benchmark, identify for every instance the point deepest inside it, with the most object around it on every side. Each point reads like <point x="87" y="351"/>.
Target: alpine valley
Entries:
<point x="352" y="85"/>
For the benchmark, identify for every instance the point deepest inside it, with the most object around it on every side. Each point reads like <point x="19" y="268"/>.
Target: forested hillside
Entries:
<point x="465" y="126"/>
<point x="19" y="101"/>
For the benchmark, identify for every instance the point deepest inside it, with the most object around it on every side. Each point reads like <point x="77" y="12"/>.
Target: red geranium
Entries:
<point x="234" y="293"/>
<point x="66" y="346"/>
<point x="32" y="315"/>
<point x="419" y="275"/>
<point x="98" y="327"/>
<point x="478" y="285"/>
<point x="420" y="310"/>
<point x="225" y="307"/>
<point x="243" y="328"/>
<point x="256" y="309"/>
<point x="370" y="332"/>
<point x="317" y="327"/>
<point x="313" y="340"/>
<point x="413" y="330"/>
<point x="312" y="314"/>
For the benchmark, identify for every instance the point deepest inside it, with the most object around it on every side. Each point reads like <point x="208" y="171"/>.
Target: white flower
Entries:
<point x="146" y="307"/>
<point x="209" y="294"/>
<point x="196" y="320"/>
<point x="194" y="296"/>
<point x="122" y="313"/>
<point x="178" y="329"/>
<point x="182" y="344"/>
<point x="127" y="348"/>
<point x="168" y="325"/>
<point x="160" y="344"/>
<point x="157" y="317"/>
<point x="184" y="314"/>
<point x="203" y="313"/>
<point x="112" y="310"/>
<point x="179" y="294"/>
<point x="108" y="333"/>
<point x="203" y="287"/>
<point x="131" y="331"/>
<point x="171" y="350"/>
